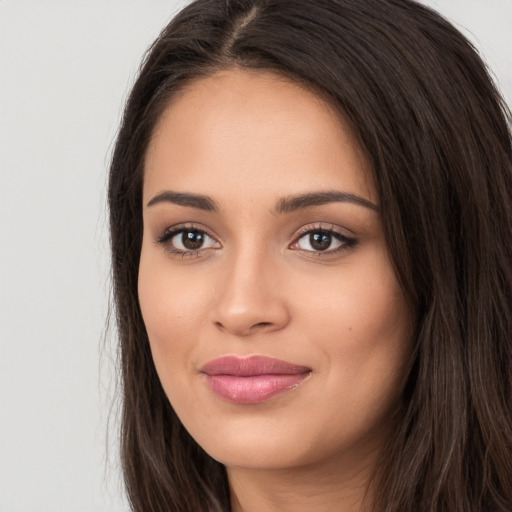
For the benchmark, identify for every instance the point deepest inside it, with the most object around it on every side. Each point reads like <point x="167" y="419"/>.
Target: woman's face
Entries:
<point x="276" y="323"/>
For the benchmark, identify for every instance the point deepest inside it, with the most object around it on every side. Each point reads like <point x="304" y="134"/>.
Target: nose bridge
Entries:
<point x="248" y="298"/>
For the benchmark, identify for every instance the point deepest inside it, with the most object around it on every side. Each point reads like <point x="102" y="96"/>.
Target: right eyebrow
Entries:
<point x="184" y="199"/>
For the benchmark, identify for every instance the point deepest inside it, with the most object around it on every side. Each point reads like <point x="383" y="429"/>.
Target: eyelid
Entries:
<point x="184" y="226"/>
<point x="344" y="235"/>
<point x="171" y="231"/>
<point x="324" y="226"/>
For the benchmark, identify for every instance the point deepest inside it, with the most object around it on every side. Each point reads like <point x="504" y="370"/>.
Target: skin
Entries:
<point x="258" y="287"/>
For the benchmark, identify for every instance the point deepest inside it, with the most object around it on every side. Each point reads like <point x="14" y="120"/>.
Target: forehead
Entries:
<point x="253" y="130"/>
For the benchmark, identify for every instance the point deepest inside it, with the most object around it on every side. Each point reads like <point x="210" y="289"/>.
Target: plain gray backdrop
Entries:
<point x="65" y="70"/>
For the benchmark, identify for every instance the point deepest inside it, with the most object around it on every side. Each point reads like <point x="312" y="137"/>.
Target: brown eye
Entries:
<point x="323" y="241"/>
<point x="320" y="241"/>
<point x="192" y="240"/>
<point x="185" y="241"/>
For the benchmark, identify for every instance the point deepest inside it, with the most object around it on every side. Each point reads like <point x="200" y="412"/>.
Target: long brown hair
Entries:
<point x="437" y="134"/>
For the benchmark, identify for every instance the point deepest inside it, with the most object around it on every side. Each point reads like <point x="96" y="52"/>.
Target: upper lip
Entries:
<point x="252" y="366"/>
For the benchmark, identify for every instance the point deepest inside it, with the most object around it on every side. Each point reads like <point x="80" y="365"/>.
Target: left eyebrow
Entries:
<point x="293" y="203"/>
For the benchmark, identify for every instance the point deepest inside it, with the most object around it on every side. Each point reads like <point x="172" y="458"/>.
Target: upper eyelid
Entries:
<point x="321" y="226"/>
<point x="170" y="231"/>
<point x="165" y="240"/>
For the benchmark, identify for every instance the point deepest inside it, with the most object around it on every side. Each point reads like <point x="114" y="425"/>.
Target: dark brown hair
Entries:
<point x="436" y="132"/>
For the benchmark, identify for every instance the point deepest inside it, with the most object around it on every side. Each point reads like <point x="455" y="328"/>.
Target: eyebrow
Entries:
<point x="293" y="203"/>
<point x="285" y="205"/>
<point x="184" y="199"/>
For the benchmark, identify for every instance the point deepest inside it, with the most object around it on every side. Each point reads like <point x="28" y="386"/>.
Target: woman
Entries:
<point x="311" y="209"/>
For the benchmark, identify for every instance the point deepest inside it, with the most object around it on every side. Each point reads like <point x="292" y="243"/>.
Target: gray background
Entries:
<point x="65" y="70"/>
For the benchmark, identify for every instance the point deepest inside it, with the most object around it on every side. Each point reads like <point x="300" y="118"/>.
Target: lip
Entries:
<point x="252" y="379"/>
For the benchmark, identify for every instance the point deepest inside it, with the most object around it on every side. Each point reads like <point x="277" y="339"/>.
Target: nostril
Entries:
<point x="258" y="325"/>
<point x="263" y="324"/>
<point x="239" y="317"/>
<point x="244" y="330"/>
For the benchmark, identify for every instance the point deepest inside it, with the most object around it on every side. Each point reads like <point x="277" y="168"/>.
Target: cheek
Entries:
<point x="360" y="306"/>
<point x="171" y="308"/>
<point x="362" y="324"/>
<point x="362" y="327"/>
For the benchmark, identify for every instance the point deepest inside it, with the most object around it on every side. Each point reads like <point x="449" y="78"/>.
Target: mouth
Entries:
<point x="252" y="379"/>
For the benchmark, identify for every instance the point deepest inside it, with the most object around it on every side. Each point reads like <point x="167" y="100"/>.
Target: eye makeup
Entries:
<point x="187" y="240"/>
<point x="323" y="240"/>
<point x="318" y="240"/>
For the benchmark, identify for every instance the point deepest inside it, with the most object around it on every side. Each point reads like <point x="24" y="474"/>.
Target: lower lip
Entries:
<point x="253" y="389"/>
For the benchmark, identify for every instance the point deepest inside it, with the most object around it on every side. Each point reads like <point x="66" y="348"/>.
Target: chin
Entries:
<point x="258" y="455"/>
<point x="252" y="447"/>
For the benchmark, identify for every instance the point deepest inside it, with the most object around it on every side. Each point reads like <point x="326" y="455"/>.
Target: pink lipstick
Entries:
<point x="252" y="379"/>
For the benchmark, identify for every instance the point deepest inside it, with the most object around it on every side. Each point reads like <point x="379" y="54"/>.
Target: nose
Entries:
<point x="251" y="298"/>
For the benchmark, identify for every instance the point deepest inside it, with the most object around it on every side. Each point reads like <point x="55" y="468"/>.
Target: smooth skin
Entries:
<point x="246" y="270"/>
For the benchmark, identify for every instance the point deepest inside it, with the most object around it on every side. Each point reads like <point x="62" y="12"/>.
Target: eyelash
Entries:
<point x="170" y="233"/>
<point x="346" y="242"/>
